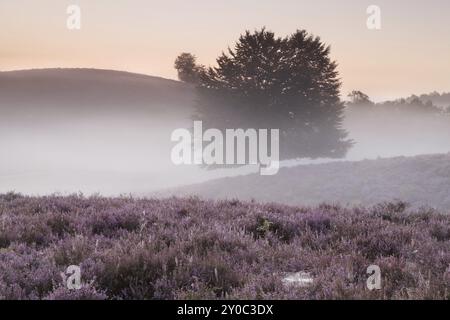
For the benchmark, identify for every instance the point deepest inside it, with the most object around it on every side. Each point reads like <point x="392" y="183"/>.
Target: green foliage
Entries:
<point x="264" y="226"/>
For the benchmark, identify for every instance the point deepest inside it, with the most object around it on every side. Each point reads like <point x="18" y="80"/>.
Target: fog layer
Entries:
<point x="109" y="132"/>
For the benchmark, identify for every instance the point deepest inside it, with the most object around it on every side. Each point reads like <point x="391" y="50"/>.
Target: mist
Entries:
<point x="92" y="131"/>
<point x="86" y="131"/>
<point x="385" y="134"/>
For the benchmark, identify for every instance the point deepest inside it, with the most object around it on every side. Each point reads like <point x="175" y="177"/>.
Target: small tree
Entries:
<point x="359" y="98"/>
<point x="188" y="70"/>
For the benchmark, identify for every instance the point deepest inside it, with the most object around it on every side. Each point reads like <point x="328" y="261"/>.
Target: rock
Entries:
<point x="297" y="279"/>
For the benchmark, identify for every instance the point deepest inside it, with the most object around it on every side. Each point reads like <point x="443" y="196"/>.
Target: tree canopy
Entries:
<point x="188" y="70"/>
<point x="359" y="98"/>
<point x="269" y="82"/>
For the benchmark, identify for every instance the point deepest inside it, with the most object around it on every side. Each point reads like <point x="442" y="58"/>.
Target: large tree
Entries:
<point x="287" y="83"/>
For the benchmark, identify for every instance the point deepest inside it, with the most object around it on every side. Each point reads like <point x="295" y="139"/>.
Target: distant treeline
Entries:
<point x="440" y="100"/>
<point x="429" y="103"/>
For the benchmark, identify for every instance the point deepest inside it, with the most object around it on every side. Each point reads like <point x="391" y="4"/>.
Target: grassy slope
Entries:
<point x="421" y="180"/>
<point x="65" y="94"/>
<point x="188" y="248"/>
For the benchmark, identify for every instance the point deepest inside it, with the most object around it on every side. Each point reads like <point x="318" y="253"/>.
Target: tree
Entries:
<point x="188" y="70"/>
<point x="268" y="82"/>
<point x="358" y="98"/>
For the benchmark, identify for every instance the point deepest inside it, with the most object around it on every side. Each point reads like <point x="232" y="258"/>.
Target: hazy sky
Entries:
<point x="410" y="54"/>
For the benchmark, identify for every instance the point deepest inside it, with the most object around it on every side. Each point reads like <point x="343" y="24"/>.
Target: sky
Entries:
<point x="409" y="54"/>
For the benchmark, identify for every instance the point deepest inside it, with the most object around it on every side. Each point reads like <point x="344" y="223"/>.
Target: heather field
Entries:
<point x="192" y="249"/>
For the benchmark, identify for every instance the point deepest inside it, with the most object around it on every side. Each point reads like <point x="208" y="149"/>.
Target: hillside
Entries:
<point x="88" y="130"/>
<point x="191" y="249"/>
<point x="74" y="92"/>
<point x="420" y="180"/>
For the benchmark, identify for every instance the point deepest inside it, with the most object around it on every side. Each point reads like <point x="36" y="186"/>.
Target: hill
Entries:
<point x="420" y="181"/>
<point x="87" y="129"/>
<point x="87" y="91"/>
<point x="190" y="249"/>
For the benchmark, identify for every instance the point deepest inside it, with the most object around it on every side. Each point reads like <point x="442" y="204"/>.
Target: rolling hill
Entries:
<point x="89" y="130"/>
<point x="420" y="181"/>
<point x="50" y="92"/>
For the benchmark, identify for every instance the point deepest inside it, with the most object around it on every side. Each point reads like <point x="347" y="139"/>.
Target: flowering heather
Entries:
<point x="191" y="249"/>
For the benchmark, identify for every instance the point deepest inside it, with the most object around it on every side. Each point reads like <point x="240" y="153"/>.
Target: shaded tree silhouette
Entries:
<point x="359" y="98"/>
<point x="188" y="70"/>
<point x="268" y="82"/>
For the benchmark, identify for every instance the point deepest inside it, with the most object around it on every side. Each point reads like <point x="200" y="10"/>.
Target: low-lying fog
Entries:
<point x="130" y="153"/>
<point x="110" y="155"/>
<point x="81" y="130"/>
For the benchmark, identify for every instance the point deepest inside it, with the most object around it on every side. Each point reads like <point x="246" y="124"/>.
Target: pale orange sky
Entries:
<point x="410" y="54"/>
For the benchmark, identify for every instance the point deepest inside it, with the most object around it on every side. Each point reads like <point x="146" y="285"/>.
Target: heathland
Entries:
<point x="188" y="248"/>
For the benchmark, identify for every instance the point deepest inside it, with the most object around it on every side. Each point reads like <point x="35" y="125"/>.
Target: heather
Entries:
<point x="187" y="248"/>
